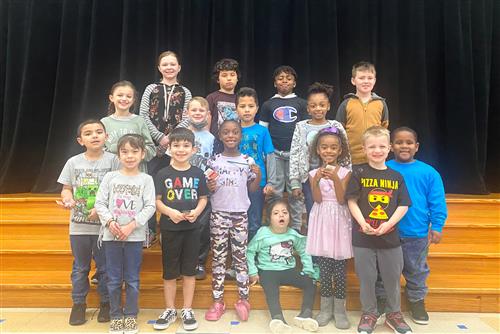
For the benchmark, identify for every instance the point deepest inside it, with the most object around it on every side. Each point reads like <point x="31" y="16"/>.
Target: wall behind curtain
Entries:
<point x="438" y="65"/>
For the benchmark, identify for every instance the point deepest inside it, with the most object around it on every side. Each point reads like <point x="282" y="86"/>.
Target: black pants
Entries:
<point x="204" y="221"/>
<point x="271" y="280"/>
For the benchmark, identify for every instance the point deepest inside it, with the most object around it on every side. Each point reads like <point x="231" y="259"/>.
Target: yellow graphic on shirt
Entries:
<point x="379" y="200"/>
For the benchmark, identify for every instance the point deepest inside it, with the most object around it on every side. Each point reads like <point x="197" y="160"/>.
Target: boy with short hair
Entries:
<point x="424" y="221"/>
<point x="181" y="196"/>
<point x="81" y="177"/>
<point x="256" y="143"/>
<point x="280" y="114"/>
<point x="378" y="199"/>
<point x="362" y="110"/>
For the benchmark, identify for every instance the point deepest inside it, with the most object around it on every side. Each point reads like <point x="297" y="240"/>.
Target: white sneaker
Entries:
<point x="188" y="320"/>
<point x="277" y="326"/>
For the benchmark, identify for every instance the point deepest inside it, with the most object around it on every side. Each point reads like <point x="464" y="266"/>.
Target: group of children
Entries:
<point x="212" y="168"/>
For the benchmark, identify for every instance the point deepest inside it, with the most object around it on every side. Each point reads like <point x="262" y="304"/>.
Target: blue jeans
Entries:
<point x="82" y="248"/>
<point x="415" y="269"/>
<point x="255" y="211"/>
<point x="124" y="264"/>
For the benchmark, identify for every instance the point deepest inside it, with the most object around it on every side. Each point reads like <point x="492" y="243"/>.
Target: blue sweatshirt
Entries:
<point x="427" y="196"/>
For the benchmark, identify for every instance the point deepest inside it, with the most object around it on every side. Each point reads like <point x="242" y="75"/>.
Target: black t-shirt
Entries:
<point x="378" y="193"/>
<point x="282" y="114"/>
<point x="180" y="190"/>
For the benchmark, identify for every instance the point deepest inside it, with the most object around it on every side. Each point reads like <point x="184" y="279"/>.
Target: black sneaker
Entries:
<point x="367" y="323"/>
<point x="418" y="313"/>
<point x="103" y="315"/>
<point x="396" y="321"/>
<point x="167" y="318"/>
<point x="200" y="272"/>
<point x="77" y="316"/>
<point x="188" y="320"/>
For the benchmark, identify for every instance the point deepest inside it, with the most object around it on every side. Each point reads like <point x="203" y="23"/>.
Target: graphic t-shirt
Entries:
<point x="378" y="193"/>
<point x="231" y="192"/>
<point x="256" y="143"/>
<point x="85" y="176"/>
<point x="204" y="143"/>
<point x="222" y="106"/>
<point x="282" y="113"/>
<point x="180" y="190"/>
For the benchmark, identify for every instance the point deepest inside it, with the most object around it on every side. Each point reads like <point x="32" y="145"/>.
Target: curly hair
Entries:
<point x="344" y="159"/>
<point x="225" y="64"/>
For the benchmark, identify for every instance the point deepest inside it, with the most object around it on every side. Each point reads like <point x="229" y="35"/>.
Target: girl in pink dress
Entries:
<point x="329" y="233"/>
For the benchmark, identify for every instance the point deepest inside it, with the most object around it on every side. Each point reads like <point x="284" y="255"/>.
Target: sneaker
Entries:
<point x="77" y="316"/>
<point x="367" y="323"/>
<point x="418" y="313"/>
<point x="396" y="321"/>
<point x="215" y="311"/>
<point x="381" y="303"/>
<point x="103" y="315"/>
<point x="305" y="321"/>
<point x="116" y="326"/>
<point x="130" y="325"/>
<point x="242" y="308"/>
<point x="95" y="278"/>
<point x="188" y="321"/>
<point x="231" y="274"/>
<point x="278" y="326"/>
<point x="167" y="318"/>
<point x="200" y="272"/>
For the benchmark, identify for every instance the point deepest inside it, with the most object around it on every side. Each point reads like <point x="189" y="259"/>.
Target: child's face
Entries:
<point x="230" y="135"/>
<point x="404" y="146"/>
<point x="246" y="109"/>
<point x="196" y="112"/>
<point x="317" y="106"/>
<point x="181" y="151"/>
<point x="329" y="149"/>
<point x="227" y="80"/>
<point x="92" y="136"/>
<point x="376" y="148"/>
<point x="169" y="68"/>
<point x="284" y="83"/>
<point x="279" y="217"/>
<point x="122" y="98"/>
<point x="130" y="157"/>
<point x="364" y="81"/>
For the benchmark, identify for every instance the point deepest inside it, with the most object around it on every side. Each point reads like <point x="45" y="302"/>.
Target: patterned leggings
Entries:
<point x="232" y="227"/>
<point x="331" y="269"/>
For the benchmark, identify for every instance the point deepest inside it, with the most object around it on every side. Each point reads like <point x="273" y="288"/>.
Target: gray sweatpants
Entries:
<point x="390" y="263"/>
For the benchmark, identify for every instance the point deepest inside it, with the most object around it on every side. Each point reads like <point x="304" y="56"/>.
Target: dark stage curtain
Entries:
<point x="438" y="65"/>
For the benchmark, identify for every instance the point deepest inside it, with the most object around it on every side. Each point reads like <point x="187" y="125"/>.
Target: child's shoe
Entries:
<point x="305" y="321"/>
<point x="340" y="314"/>
<point x="167" y="318"/>
<point x="103" y="315"/>
<point x="215" y="311"/>
<point x="116" y="326"/>
<point x="200" y="272"/>
<point x="77" y="316"/>
<point x="326" y="311"/>
<point x="396" y="321"/>
<point x="188" y="320"/>
<point x="367" y="323"/>
<point x="130" y="325"/>
<point x="242" y="308"/>
<point x="279" y="326"/>
<point x="418" y="313"/>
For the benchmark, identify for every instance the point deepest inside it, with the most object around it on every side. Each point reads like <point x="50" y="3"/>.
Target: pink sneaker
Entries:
<point x="242" y="308"/>
<point x="215" y="312"/>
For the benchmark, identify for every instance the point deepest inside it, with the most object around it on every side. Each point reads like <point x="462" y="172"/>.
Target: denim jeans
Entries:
<point x="415" y="269"/>
<point x="83" y="247"/>
<point x="255" y="211"/>
<point x="124" y="264"/>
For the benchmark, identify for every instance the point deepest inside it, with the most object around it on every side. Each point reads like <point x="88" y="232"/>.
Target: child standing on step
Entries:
<point x="81" y="177"/>
<point x="423" y="223"/>
<point x="236" y="174"/>
<point x="125" y="201"/>
<point x="274" y="246"/>
<point x="329" y="234"/>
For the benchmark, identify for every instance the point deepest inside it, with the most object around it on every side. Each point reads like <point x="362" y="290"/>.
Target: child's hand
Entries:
<point x="93" y="215"/>
<point x="254" y="279"/>
<point x="255" y="168"/>
<point x="297" y="193"/>
<point x="176" y="216"/>
<point x="67" y="203"/>
<point x="127" y="229"/>
<point x="435" y="237"/>
<point x="383" y="229"/>
<point x="164" y="142"/>
<point x="268" y="190"/>
<point x="317" y="177"/>
<point x="367" y="229"/>
<point x="191" y="216"/>
<point x="331" y="173"/>
<point x="115" y="229"/>
<point x="212" y="184"/>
